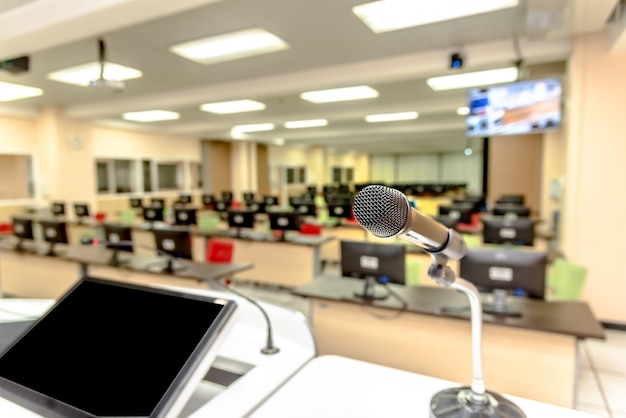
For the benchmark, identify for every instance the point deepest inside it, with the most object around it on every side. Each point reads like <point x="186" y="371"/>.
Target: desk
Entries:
<point x="258" y="375"/>
<point x="331" y="386"/>
<point x="533" y="356"/>
<point x="39" y="276"/>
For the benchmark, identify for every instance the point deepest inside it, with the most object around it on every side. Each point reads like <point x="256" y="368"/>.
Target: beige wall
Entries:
<point x="14" y="177"/>
<point x="595" y="198"/>
<point x="553" y="170"/>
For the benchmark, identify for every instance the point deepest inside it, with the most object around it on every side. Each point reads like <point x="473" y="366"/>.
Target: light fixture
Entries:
<point x="477" y="78"/>
<point x="233" y="106"/>
<point x="468" y="147"/>
<point x="256" y="127"/>
<point x="390" y="117"/>
<point x="462" y="111"/>
<point x="230" y="46"/>
<point x="311" y="123"/>
<point x="468" y="151"/>
<point x="12" y="91"/>
<point x="82" y="75"/>
<point x="389" y="15"/>
<point x="340" y="94"/>
<point x="151" y="115"/>
<point x="279" y="141"/>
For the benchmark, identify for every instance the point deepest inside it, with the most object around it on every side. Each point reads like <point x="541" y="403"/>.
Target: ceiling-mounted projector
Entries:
<point x="102" y="83"/>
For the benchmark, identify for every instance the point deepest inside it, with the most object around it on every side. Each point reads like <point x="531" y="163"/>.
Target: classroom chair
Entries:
<point x="565" y="280"/>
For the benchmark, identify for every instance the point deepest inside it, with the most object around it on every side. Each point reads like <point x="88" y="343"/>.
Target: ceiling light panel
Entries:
<point x="256" y="127"/>
<point x="311" y="123"/>
<point x="231" y="46"/>
<point x="463" y="111"/>
<point x="12" y="91"/>
<point x="151" y="116"/>
<point x="82" y="75"/>
<point x="233" y="106"/>
<point x="340" y="95"/>
<point x="391" y="117"/>
<point x="389" y="15"/>
<point x="478" y="78"/>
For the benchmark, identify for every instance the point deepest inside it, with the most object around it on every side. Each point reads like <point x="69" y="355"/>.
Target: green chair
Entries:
<point x="208" y="223"/>
<point x="472" y="240"/>
<point x="128" y="216"/>
<point x="413" y="271"/>
<point x="565" y="280"/>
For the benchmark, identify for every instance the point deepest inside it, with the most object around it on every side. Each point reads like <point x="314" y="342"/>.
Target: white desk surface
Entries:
<point x="242" y="347"/>
<point x="333" y="386"/>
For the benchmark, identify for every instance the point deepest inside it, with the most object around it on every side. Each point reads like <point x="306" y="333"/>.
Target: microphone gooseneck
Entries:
<point x="269" y="347"/>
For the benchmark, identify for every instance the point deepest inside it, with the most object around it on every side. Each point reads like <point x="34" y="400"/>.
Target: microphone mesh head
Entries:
<point x="381" y="210"/>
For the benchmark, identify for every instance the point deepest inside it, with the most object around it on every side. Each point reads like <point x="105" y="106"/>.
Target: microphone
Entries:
<point x="386" y="213"/>
<point x="269" y="347"/>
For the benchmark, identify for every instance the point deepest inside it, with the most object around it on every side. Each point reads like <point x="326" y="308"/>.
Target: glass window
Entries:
<point x="102" y="175"/>
<point x="195" y="170"/>
<point x="123" y="176"/>
<point x="168" y="176"/>
<point x="16" y="177"/>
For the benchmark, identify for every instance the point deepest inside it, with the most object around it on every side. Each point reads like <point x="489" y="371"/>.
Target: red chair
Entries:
<point x="6" y="228"/>
<point x="310" y="229"/>
<point x="101" y="217"/>
<point x="218" y="251"/>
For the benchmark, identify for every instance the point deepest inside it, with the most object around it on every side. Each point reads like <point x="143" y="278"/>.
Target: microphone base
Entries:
<point x="270" y="350"/>
<point x="460" y="403"/>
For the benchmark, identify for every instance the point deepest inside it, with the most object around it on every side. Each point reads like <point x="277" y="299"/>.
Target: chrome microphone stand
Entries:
<point x="473" y="401"/>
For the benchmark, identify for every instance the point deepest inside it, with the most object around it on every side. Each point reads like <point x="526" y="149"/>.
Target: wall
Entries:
<point x="552" y="172"/>
<point x="114" y="143"/>
<point x="14" y="177"/>
<point x="595" y="202"/>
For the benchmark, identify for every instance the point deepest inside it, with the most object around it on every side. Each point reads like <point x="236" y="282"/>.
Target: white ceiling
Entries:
<point x="329" y="47"/>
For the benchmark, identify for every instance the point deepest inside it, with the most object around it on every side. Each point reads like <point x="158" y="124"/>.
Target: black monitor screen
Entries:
<point x="248" y="196"/>
<point x="241" y="218"/>
<point x="362" y="259"/>
<point x="227" y="195"/>
<point x="222" y="205"/>
<point x="173" y="241"/>
<point x="54" y="232"/>
<point x="520" y="272"/>
<point x="184" y="198"/>
<point x="151" y="214"/>
<point x="116" y="233"/>
<point x="501" y="230"/>
<point x="136" y="202"/>
<point x="87" y="356"/>
<point x="311" y="190"/>
<point x="22" y="228"/>
<point x="157" y="202"/>
<point x="185" y="216"/>
<point x="305" y="208"/>
<point x="208" y="199"/>
<point x="81" y="210"/>
<point x="270" y="200"/>
<point x="447" y="221"/>
<point x="463" y="212"/>
<point x="511" y="210"/>
<point x="254" y="206"/>
<point x="517" y="199"/>
<point x="339" y="210"/>
<point x="284" y="221"/>
<point x="58" y="208"/>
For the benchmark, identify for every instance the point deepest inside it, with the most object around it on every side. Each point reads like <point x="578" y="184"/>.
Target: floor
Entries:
<point x="602" y="384"/>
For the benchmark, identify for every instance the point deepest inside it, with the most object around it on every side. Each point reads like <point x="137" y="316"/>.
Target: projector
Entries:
<point x="104" y="84"/>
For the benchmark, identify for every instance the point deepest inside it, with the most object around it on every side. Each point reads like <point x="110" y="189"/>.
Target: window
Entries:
<point x="102" y="174"/>
<point x="342" y="175"/>
<point x="16" y="177"/>
<point x="195" y="171"/>
<point x="169" y="176"/>
<point x="147" y="175"/>
<point x="296" y="175"/>
<point x="115" y="176"/>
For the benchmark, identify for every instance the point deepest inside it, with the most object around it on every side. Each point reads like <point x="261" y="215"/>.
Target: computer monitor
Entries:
<point x="447" y="221"/>
<point x="270" y="200"/>
<point x="284" y="221"/>
<point x="227" y="195"/>
<point x="478" y="202"/>
<point x="114" y="234"/>
<point x="511" y="211"/>
<point x="176" y="242"/>
<point x="81" y="210"/>
<point x="505" y="271"/>
<point x="88" y="355"/>
<point x="54" y="232"/>
<point x="373" y="262"/>
<point x="58" y="208"/>
<point x="517" y="199"/>
<point x="185" y="198"/>
<point x="240" y="219"/>
<point x="248" y="197"/>
<point x="136" y="202"/>
<point x="222" y="205"/>
<point x="305" y="208"/>
<point x="23" y="230"/>
<point x="311" y="190"/>
<point x="463" y="212"/>
<point x="208" y="200"/>
<point x="501" y="230"/>
<point x="151" y="214"/>
<point x="256" y="206"/>
<point x="185" y="216"/>
<point x="157" y="202"/>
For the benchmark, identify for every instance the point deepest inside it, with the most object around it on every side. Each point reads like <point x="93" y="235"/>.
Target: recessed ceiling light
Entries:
<point x="82" y="75"/>
<point x="390" y="117"/>
<point x="230" y="46"/>
<point x="463" y="110"/>
<point x="233" y="106"/>
<point x="478" y="78"/>
<point x="295" y="124"/>
<point x="256" y="127"/>
<point x="389" y="15"/>
<point x="339" y="95"/>
<point x="151" y="115"/>
<point x="12" y="91"/>
<point x="279" y="141"/>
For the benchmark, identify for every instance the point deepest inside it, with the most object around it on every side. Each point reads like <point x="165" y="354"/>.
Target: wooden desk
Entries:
<point x="36" y="275"/>
<point x="534" y="356"/>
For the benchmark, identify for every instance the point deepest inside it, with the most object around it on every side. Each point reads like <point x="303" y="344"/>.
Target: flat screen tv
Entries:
<point x="517" y="108"/>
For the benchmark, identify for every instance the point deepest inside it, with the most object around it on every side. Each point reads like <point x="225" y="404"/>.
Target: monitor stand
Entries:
<point x="51" y="252"/>
<point x="499" y="306"/>
<point x="369" y="291"/>
<point x="19" y="247"/>
<point x="115" y="258"/>
<point x="170" y="269"/>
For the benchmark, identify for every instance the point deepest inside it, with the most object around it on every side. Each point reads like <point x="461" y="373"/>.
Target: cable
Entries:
<point x="384" y="281"/>
<point x="269" y="348"/>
